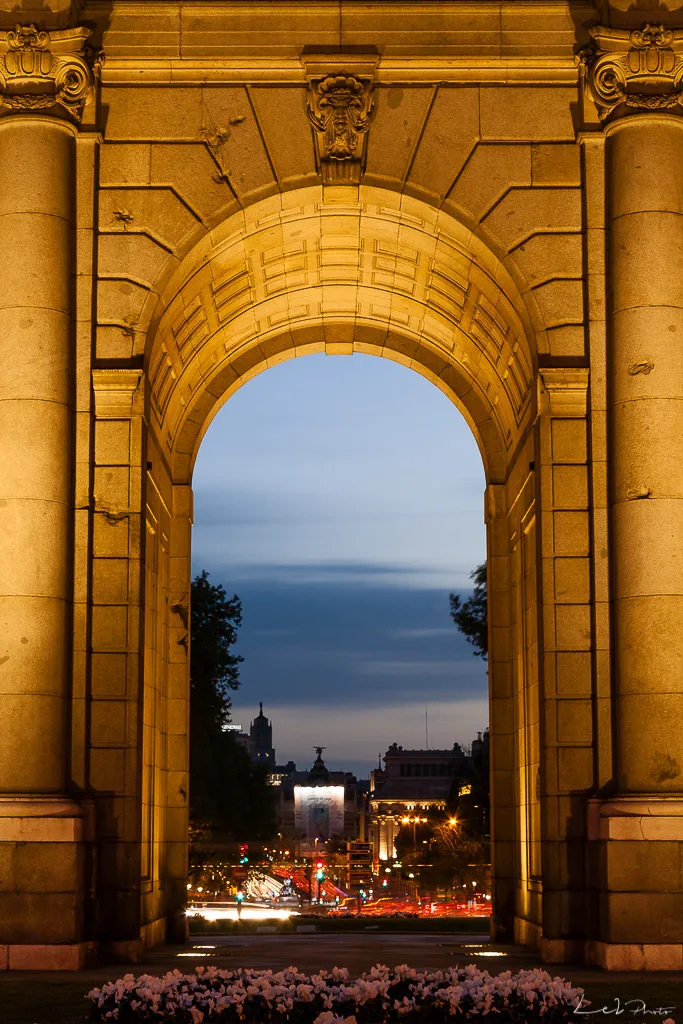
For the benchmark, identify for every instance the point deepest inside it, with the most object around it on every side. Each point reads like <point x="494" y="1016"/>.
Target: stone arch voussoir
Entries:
<point x="370" y="272"/>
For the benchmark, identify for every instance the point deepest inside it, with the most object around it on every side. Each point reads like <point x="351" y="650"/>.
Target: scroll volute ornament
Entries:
<point x="340" y="108"/>
<point x="46" y="71"/>
<point x="629" y="71"/>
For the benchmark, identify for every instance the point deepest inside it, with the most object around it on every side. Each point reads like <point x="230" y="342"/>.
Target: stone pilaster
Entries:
<point x="565" y="712"/>
<point x="116" y="705"/>
<point x="503" y="826"/>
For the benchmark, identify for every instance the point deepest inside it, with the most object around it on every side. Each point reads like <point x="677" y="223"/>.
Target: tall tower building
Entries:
<point x="261" y="735"/>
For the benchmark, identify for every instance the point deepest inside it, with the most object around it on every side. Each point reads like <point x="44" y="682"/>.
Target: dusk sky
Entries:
<point x="341" y="498"/>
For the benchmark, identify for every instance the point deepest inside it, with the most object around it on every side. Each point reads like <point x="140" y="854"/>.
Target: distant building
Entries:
<point x="279" y="772"/>
<point x="241" y="737"/>
<point x="319" y="806"/>
<point x="411" y="783"/>
<point x="261" y="737"/>
<point x="474" y="806"/>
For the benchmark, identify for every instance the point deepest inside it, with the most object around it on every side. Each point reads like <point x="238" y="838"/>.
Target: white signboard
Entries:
<point x="319" y="811"/>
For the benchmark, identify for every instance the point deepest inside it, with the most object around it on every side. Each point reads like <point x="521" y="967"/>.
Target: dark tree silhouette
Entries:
<point x="228" y="793"/>
<point x="214" y="669"/>
<point x="471" y="616"/>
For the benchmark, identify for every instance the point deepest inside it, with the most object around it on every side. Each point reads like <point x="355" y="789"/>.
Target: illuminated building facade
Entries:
<point x="412" y="783"/>
<point x="320" y="806"/>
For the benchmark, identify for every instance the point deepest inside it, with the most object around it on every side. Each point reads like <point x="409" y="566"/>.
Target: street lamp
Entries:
<point x="415" y="821"/>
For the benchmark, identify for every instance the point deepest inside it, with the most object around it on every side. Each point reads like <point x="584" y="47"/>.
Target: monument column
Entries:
<point x="36" y="174"/>
<point x="634" y="79"/>
<point x="645" y="162"/>
<point x="45" y="82"/>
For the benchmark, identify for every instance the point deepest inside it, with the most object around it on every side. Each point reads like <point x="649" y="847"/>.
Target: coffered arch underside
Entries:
<point x="341" y="271"/>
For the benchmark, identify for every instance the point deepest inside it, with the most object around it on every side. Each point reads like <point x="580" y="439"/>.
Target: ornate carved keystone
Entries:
<point x="637" y="70"/>
<point x="340" y="108"/>
<point x="48" y="71"/>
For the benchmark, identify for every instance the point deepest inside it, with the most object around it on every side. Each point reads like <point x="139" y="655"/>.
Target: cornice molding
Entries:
<point x="625" y="72"/>
<point x="46" y="14"/>
<point x="51" y="72"/>
<point x="391" y="71"/>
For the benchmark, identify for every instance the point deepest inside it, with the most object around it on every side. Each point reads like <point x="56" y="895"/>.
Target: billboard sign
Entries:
<point x="319" y="811"/>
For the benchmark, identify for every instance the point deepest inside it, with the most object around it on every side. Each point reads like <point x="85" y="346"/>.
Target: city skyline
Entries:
<point x="336" y="754"/>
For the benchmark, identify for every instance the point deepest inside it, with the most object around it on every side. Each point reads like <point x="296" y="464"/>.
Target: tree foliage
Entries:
<point x="214" y="669"/>
<point x="443" y="855"/>
<point x="228" y="794"/>
<point x="471" y="616"/>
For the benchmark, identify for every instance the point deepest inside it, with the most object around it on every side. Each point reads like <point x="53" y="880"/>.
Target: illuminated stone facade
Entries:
<point x="320" y="806"/>
<point x="412" y="783"/>
<point x="191" y="192"/>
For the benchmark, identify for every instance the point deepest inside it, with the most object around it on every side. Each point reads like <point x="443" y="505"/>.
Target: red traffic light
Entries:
<point x="319" y="864"/>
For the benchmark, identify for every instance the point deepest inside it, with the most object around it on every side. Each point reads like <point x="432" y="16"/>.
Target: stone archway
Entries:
<point x="359" y="270"/>
<point x="510" y="225"/>
<point x="343" y="271"/>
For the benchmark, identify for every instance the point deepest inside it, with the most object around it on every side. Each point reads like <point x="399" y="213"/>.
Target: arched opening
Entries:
<point x="342" y="272"/>
<point x="341" y="499"/>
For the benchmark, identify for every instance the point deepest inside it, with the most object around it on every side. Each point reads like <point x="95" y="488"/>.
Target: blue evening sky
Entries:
<point x="341" y="498"/>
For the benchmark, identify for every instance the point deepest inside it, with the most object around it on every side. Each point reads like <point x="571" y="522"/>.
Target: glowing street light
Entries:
<point x="416" y="820"/>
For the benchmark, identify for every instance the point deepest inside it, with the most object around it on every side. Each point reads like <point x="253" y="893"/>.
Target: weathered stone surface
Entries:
<point x="195" y="216"/>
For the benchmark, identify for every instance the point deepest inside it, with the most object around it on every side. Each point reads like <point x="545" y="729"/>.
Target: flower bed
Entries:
<point x="381" y="996"/>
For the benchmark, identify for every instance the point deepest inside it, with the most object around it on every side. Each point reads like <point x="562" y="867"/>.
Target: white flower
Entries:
<point x="211" y="990"/>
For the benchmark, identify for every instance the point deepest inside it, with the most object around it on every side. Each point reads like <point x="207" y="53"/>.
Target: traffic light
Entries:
<point x="320" y="873"/>
<point x="244" y="859"/>
<point x="240" y="896"/>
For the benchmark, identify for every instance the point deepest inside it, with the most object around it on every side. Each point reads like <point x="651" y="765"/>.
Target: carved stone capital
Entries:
<point x="564" y="392"/>
<point x="494" y="502"/>
<point x="47" y="71"/>
<point x="118" y="393"/>
<point x="340" y="105"/>
<point x="641" y="70"/>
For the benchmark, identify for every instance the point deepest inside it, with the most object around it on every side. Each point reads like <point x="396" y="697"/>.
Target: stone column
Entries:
<point x="44" y="84"/>
<point x="633" y="90"/>
<point x="645" y="158"/>
<point x="632" y="83"/>
<point x="36" y="178"/>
